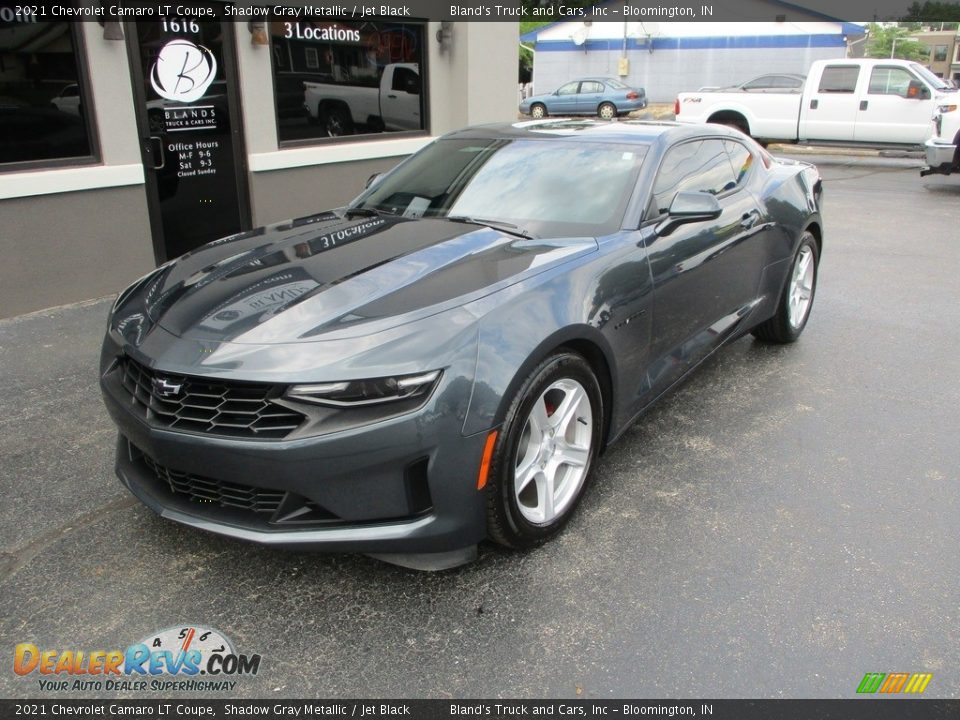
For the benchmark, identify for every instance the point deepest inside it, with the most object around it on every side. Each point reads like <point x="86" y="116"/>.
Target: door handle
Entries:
<point x="749" y="219"/>
<point x="814" y="104"/>
<point x="159" y="154"/>
<point x="863" y="104"/>
<point x="392" y="96"/>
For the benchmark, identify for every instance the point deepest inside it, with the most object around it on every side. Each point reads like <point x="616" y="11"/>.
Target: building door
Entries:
<point x="191" y="138"/>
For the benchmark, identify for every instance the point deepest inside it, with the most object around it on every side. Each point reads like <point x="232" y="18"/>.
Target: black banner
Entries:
<point x="853" y="709"/>
<point x="476" y="10"/>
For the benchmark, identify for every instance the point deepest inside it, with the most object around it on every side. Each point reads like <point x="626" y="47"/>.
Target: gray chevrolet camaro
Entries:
<point x="441" y="361"/>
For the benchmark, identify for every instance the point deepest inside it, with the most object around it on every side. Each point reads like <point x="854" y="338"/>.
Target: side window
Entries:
<point x="839" y="79"/>
<point x="889" y="81"/>
<point x="700" y="165"/>
<point x="785" y="81"/>
<point x="760" y="83"/>
<point x="741" y="159"/>
<point x="589" y="86"/>
<point x="568" y="89"/>
<point x="406" y="80"/>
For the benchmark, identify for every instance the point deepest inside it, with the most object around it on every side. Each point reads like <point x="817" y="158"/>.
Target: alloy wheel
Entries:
<point x="553" y="452"/>
<point x="801" y="288"/>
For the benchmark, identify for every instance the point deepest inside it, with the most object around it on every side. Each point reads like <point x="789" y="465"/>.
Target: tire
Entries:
<point x="787" y="324"/>
<point x="738" y="125"/>
<point x="561" y="395"/>
<point x="337" y="122"/>
<point x="732" y="121"/>
<point x="607" y="111"/>
<point x="538" y="110"/>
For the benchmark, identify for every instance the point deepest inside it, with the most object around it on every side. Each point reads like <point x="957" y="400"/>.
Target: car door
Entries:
<point x="893" y="110"/>
<point x="705" y="274"/>
<point x="401" y="100"/>
<point x="588" y="99"/>
<point x="564" y="100"/>
<point x="830" y="110"/>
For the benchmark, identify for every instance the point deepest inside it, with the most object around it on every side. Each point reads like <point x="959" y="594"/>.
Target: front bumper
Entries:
<point x="940" y="157"/>
<point x="406" y="485"/>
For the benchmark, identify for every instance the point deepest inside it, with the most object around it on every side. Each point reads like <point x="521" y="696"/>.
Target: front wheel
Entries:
<point x="538" y="111"/>
<point x="796" y="299"/>
<point x="607" y="111"/>
<point x="545" y="451"/>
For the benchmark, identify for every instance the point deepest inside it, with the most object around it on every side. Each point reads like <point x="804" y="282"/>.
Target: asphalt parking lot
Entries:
<point x="785" y="522"/>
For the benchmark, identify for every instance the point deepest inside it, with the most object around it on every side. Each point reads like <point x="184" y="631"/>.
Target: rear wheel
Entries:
<point x="337" y="122"/>
<point x="607" y="111"/>
<point x="545" y="452"/>
<point x="732" y="120"/>
<point x="796" y="300"/>
<point x="538" y="111"/>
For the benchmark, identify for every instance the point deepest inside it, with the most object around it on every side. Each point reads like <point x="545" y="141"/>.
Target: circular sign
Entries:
<point x="183" y="71"/>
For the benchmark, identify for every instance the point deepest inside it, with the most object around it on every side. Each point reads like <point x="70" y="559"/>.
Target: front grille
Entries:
<point x="207" y="490"/>
<point x="208" y="406"/>
<point x="273" y="507"/>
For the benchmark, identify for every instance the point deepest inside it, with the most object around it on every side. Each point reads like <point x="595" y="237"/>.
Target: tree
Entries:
<point x="935" y="13"/>
<point x="526" y="57"/>
<point x="881" y="43"/>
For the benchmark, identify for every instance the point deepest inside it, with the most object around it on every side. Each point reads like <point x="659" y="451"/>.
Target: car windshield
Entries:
<point x="615" y="84"/>
<point x="938" y="83"/>
<point x="547" y="187"/>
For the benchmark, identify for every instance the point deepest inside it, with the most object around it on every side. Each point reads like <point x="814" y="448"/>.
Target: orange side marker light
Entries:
<point x="485" y="462"/>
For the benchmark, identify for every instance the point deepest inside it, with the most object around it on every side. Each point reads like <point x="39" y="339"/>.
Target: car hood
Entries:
<point x="327" y="276"/>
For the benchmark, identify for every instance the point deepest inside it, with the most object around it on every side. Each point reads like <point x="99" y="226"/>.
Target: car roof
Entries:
<point x="598" y="78"/>
<point x="643" y="132"/>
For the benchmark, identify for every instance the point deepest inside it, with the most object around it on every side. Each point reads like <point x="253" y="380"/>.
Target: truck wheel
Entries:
<point x="607" y="111"/>
<point x="337" y="122"/>
<point x="731" y="120"/>
<point x="538" y="111"/>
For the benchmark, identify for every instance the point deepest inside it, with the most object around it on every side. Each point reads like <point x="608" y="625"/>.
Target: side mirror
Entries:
<point x="373" y="180"/>
<point x="689" y="207"/>
<point x="916" y="90"/>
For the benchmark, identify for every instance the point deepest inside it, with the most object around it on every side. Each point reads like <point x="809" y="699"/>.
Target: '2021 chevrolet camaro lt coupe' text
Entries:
<point x="441" y="361"/>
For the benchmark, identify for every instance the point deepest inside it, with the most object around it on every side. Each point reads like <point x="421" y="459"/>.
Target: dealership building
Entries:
<point x="124" y="144"/>
<point x="666" y="58"/>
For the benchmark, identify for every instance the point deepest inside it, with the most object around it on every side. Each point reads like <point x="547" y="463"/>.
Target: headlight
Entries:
<point x="947" y="108"/>
<point x="356" y="393"/>
<point x="334" y="406"/>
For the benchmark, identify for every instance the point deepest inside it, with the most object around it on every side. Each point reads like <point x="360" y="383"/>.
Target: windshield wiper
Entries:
<point x="363" y="212"/>
<point x="495" y="224"/>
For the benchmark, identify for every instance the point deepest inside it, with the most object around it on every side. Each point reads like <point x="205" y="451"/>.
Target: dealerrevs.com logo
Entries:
<point x="189" y="658"/>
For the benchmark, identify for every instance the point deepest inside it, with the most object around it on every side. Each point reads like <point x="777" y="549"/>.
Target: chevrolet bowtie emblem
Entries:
<point x="165" y="388"/>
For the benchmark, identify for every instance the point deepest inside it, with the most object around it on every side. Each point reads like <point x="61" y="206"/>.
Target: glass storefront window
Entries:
<point x="339" y="79"/>
<point x="44" y="115"/>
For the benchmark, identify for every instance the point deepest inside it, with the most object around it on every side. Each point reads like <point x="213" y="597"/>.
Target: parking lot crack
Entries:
<point x="11" y="561"/>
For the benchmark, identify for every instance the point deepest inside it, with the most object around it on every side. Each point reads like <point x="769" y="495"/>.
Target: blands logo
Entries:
<point x="183" y="71"/>
<point x="892" y="683"/>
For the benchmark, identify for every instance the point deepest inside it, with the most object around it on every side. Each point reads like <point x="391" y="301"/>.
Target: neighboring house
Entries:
<point x="942" y="52"/>
<point x="671" y="57"/>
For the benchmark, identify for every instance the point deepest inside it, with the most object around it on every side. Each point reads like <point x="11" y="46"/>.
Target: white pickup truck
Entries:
<point x="865" y="101"/>
<point x="392" y="103"/>
<point x="943" y="146"/>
